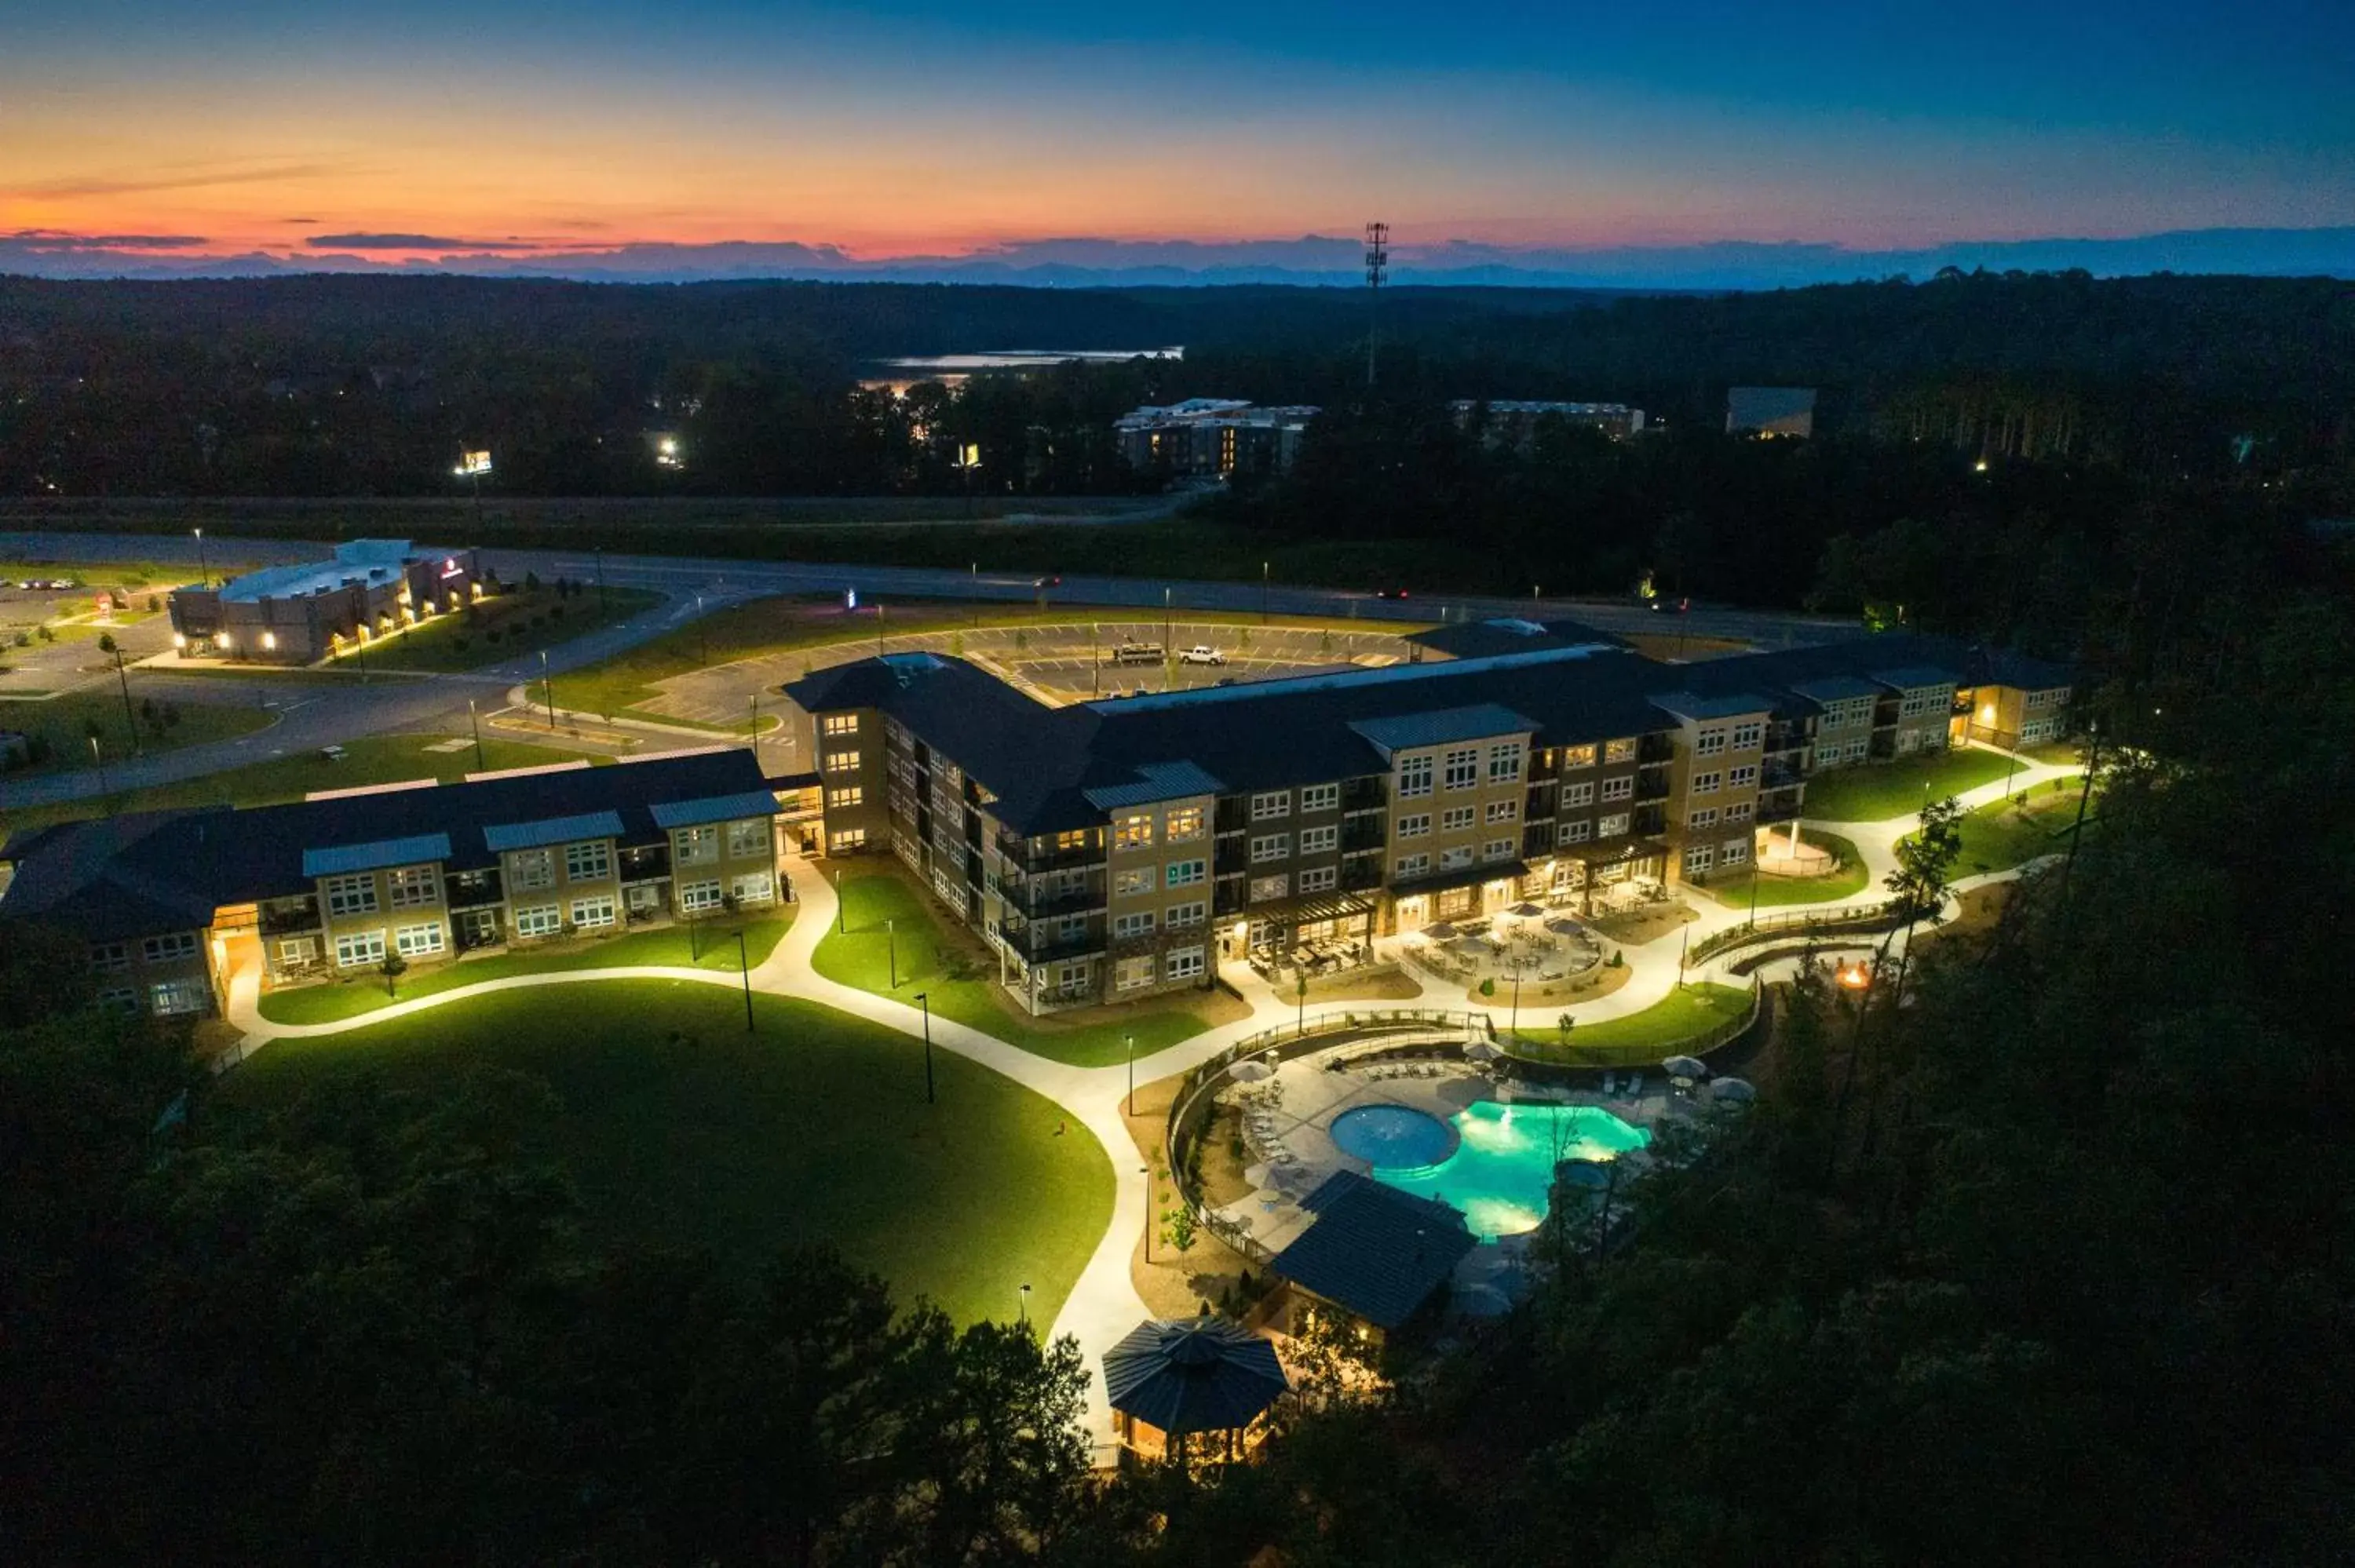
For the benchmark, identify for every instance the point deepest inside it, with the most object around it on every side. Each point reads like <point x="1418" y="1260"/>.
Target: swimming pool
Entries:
<point x="1502" y="1168"/>
<point x="1393" y="1135"/>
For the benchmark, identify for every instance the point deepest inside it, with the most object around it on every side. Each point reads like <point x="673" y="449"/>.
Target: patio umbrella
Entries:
<point x="1525" y="910"/>
<point x="1439" y="931"/>
<point x="1738" y="1091"/>
<point x="1198" y="1374"/>
<point x="1483" y="1051"/>
<point x="1685" y="1068"/>
<point x="1252" y="1072"/>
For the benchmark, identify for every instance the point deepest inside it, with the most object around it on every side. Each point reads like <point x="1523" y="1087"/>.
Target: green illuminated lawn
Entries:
<point x="525" y="623"/>
<point x="373" y="759"/>
<point x="1734" y="892"/>
<point x="2002" y="835"/>
<point x="66" y="721"/>
<point x="961" y="988"/>
<point x="678" y="1127"/>
<point x="675" y="947"/>
<point x="1640" y="1039"/>
<point x="1876" y="791"/>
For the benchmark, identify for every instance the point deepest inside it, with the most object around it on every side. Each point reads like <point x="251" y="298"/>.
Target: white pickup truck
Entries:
<point x="1201" y="654"/>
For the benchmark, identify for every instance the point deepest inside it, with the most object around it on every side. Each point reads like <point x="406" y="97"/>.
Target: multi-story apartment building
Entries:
<point x="176" y="905"/>
<point x="298" y="614"/>
<point x="1211" y="437"/>
<point x="1120" y="848"/>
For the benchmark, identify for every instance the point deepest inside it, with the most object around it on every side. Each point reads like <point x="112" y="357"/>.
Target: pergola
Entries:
<point x="1192" y="1388"/>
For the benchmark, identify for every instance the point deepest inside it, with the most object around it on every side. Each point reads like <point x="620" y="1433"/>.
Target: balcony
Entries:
<point x="1366" y="834"/>
<point x="1781" y="776"/>
<point x="1051" y="904"/>
<point x="1232" y="857"/>
<point x="1025" y="856"/>
<point x="1777" y="811"/>
<point x="1651" y="785"/>
<point x="1044" y="944"/>
<point x="1233" y="814"/>
<point x="1370" y="794"/>
<point x="473" y="889"/>
<point x="1651" y="819"/>
<point x="290" y="917"/>
<point x="1656" y="747"/>
<point x="645" y="864"/>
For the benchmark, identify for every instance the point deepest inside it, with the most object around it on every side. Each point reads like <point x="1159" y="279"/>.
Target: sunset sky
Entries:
<point x="912" y="127"/>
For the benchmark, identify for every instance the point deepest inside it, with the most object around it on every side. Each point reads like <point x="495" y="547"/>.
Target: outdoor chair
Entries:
<point x="1610" y="1083"/>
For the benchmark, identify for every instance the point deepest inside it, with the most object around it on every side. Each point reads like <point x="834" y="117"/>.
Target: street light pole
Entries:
<point x="892" y="938"/>
<point x="841" y="924"/>
<point x="1146" y="1171"/>
<point x="1131" y="1042"/>
<point x="475" y="723"/>
<point x="204" y="567"/>
<point x="1263" y="592"/>
<point x="744" y="968"/>
<point x="548" y="688"/>
<point x="753" y="740"/>
<point x="1026" y="1303"/>
<point x="923" y="1000"/>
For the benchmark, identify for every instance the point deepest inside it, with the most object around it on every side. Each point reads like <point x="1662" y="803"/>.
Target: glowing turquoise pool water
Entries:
<point x="1502" y="1169"/>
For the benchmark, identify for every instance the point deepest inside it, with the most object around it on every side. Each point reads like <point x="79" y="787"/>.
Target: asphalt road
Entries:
<point x="321" y="717"/>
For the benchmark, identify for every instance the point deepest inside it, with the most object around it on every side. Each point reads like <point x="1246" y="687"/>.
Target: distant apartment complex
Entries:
<point x="1211" y="437"/>
<point x="1507" y="422"/>
<point x="1772" y="411"/>
<point x="1119" y="849"/>
<point x="299" y="614"/>
<point x="178" y="905"/>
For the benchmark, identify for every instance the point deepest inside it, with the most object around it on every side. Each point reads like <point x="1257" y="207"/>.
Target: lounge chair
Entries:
<point x="1634" y="1085"/>
<point x="1610" y="1083"/>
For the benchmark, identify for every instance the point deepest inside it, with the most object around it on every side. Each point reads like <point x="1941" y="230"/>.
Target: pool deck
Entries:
<point x="1288" y="1122"/>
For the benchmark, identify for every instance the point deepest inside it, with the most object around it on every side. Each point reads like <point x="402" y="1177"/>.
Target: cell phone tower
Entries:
<point x="1378" y="268"/>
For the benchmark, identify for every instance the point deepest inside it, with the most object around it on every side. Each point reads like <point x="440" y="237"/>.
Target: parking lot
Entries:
<point x="1075" y="662"/>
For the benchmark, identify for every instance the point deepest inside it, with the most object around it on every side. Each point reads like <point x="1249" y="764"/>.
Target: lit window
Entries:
<point x="411" y="886"/>
<point x="351" y="894"/>
<point x="841" y="725"/>
<point x="1184" y="824"/>
<point x="418" y="941"/>
<point x="1575" y="757"/>
<point x="698" y="897"/>
<point x="1185" y="872"/>
<point x="749" y="836"/>
<point x="354" y="948"/>
<point x="1132" y="883"/>
<point x="590" y="913"/>
<point x="1320" y="798"/>
<point x="1133" y="830"/>
<point x="1266" y="888"/>
<point x="539" y="920"/>
<point x="842" y="839"/>
<point x="850" y="795"/>
<point x="1462" y="768"/>
<point x="592" y="859"/>
<point x="842" y="762"/>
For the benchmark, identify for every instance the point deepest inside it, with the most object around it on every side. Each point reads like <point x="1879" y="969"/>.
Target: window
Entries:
<point x="849" y="795"/>
<point x="1703" y="817"/>
<point x="351" y="894"/>
<point x="695" y="846"/>
<point x="1740" y="810"/>
<point x="1320" y="879"/>
<point x="750" y="837"/>
<point x="1698" y="858"/>
<point x="1138" y="880"/>
<point x="1271" y="847"/>
<point x="1504" y="811"/>
<point x="1733" y="851"/>
<point x="1182" y="963"/>
<point x="1177" y="917"/>
<point x="843" y="840"/>
<point x="418" y="941"/>
<point x="1073" y="838"/>
<point x="1499" y="848"/>
<point x="754" y="887"/>
<point x="695" y="898"/>
<point x="1505" y="763"/>
<point x="1709" y="743"/>
<point x="1748" y="734"/>
<point x="529" y="869"/>
<point x="1414" y="827"/>
<point x="297" y="949"/>
<point x="590" y="860"/>
<point x="840" y="723"/>
<point x="172" y="997"/>
<point x="1414" y="777"/>
<point x="1455" y="859"/>
<point x="1573" y="756"/>
<point x="411" y="886"/>
<point x="1320" y="798"/>
<point x="1611" y="827"/>
<point x="109" y="958"/>
<point x="166" y="949"/>
<point x="1743" y="778"/>
<point x="1579" y="794"/>
<point x="1133" y="974"/>
<point x="1133" y="830"/>
<point x="1845" y="712"/>
<point x="2039" y="729"/>
<point x="591" y="913"/>
<point x="1137" y="923"/>
<point x="355" y="947"/>
<point x="1462" y="768"/>
<point x="842" y="762"/>
<point x="1620" y="789"/>
<point x="539" y="920"/>
<point x="1184" y="824"/>
<point x="1926" y="700"/>
<point x="1411" y="865"/>
<point x="1318" y="841"/>
<point x="124" y="997"/>
<point x="1617" y="751"/>
<point x="1704" y="784"/>
<point x="1072" y="978"/>
<point x="1185" y="874"/>
<point x="1266" y="888"/>
<point x="1575" y="832"/>
<point x="1270" y="803"/>
<point x="1071" y="928"/>
<point x="1458" y="819"/>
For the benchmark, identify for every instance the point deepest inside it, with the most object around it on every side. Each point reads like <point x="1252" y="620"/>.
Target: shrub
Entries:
<point x="492" y="635"/>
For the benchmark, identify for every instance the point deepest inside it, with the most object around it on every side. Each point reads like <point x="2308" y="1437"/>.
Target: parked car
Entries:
<point x="1389" y="593"/>
<point x="1201" y="654"/>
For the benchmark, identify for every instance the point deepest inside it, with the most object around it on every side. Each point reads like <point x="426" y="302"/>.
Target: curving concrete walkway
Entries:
<point x="1104" y="1304"/>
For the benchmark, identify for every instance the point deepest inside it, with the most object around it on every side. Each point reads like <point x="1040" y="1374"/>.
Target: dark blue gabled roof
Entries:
<point x="1374" y="1250"/>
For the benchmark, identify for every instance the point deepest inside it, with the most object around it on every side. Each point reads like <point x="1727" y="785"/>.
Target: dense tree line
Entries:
<point x="326" y="386"/>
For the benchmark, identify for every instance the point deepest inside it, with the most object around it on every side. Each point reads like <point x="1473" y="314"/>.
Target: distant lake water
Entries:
<point x="898" y="374"/>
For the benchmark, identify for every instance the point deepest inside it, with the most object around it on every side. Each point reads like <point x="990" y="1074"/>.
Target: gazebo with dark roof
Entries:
<point x="1178" y="1379"/>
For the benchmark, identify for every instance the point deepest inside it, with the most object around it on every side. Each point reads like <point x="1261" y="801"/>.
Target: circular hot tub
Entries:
<point x="1393" y="1136"/>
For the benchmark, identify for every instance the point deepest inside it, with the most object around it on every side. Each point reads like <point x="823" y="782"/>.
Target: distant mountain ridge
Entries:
<point x="1315" y="261"/>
